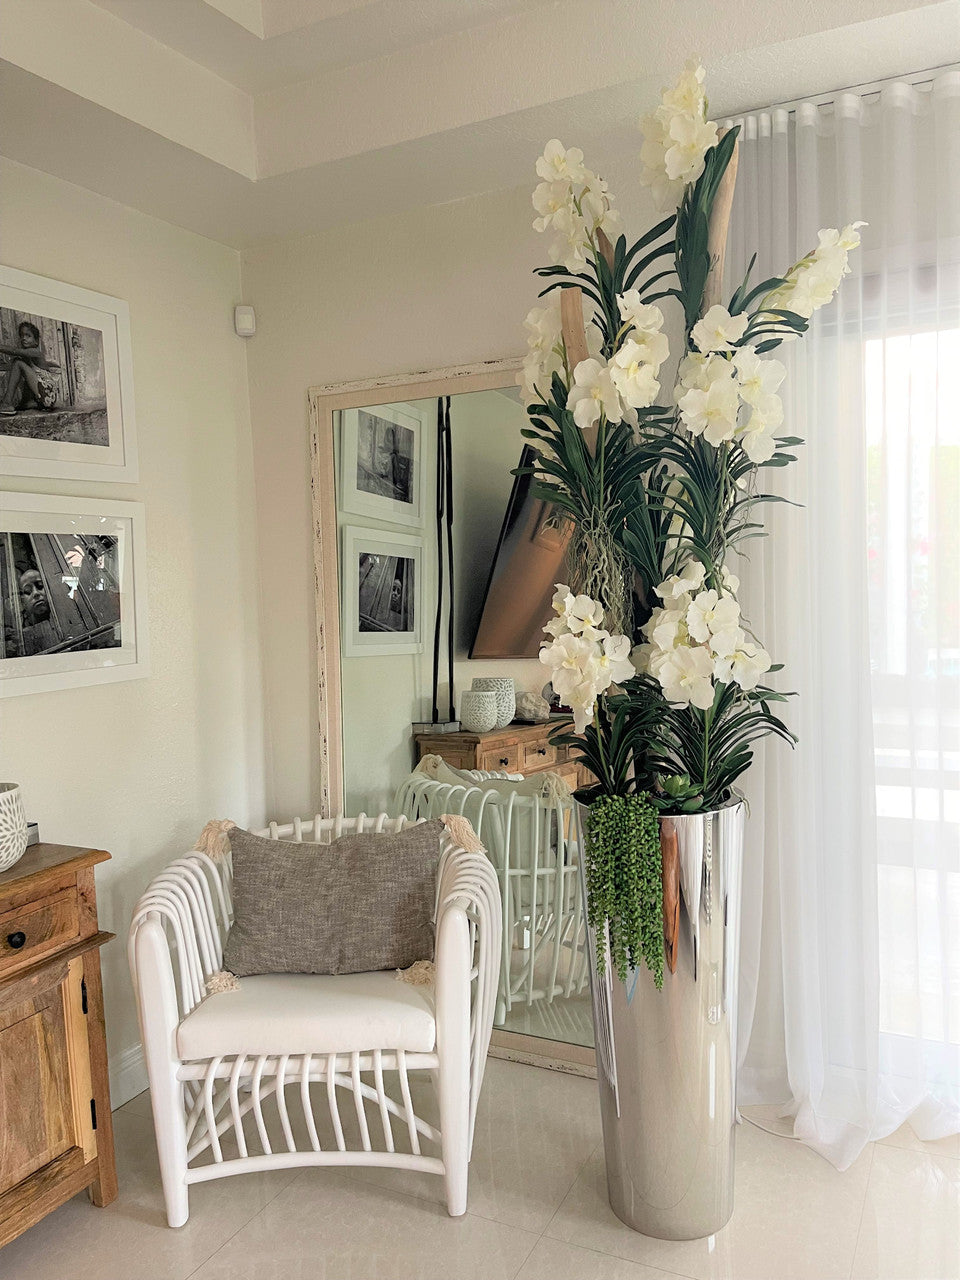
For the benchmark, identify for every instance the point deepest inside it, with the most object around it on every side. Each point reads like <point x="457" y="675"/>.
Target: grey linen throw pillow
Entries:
<point x="361" y="903"/>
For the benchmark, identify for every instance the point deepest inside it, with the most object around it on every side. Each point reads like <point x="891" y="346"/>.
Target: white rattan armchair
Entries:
<point x="215" y="1061"/>
<point x="532" y="844"/>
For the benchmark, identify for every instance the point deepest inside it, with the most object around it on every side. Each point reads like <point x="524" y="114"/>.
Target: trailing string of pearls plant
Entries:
<point x="649" y="648"/>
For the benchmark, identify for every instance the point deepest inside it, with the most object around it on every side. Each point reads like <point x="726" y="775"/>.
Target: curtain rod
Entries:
<point x="918" y="79"/>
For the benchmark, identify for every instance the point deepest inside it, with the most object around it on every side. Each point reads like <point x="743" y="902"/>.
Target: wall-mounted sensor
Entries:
<point x="245" y="321"/>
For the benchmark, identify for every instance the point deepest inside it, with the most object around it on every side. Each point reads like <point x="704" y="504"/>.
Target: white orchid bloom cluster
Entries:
<point x="616" y="388"/>
<point x="572" y="202"/>
<point x="677" y="137"/>
<point x="695" y="640"/>
<point x="725" y="392"/>
<point x="812" y="282"/>
<point x="584" y="659"/>
<point x="544" y="355"/>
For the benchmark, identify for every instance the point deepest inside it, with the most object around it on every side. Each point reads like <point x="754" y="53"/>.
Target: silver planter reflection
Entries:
<point x="666" y="1060"/>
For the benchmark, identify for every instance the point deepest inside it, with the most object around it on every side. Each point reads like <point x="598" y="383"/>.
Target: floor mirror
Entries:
<point x="383" y="561"/>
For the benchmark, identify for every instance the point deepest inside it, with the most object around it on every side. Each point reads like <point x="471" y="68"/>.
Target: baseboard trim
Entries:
<point x="128" y="1075"/>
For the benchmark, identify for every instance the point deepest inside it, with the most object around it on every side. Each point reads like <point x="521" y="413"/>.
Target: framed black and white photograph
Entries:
<point x="72" y="592"/>
<point x="383" y="463"/>
<point x="66" y="381"/>
<point x="382" y="576"/>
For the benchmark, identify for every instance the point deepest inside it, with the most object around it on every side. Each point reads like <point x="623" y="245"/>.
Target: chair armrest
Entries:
<point x="469" y="926"/>
<point x="186" y="907"/>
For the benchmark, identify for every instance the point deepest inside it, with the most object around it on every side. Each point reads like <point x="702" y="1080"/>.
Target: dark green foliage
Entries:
<point x="624" y="885"/>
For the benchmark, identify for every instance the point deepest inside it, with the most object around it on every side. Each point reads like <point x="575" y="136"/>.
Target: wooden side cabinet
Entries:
<point x="56" y="1131"/>
<point x="519" y="748"/>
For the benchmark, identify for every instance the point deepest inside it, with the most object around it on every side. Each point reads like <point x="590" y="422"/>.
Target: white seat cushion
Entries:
<point x="311" y="1013"/>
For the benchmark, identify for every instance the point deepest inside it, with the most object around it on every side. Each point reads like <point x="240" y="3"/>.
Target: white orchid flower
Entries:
<point x="686" y="582"/>
<point x="731" y="583"/>
<point x="646" y="319"/>
<point x="614" y="661"/>
<point x="549" y="199"/>
<point x="718" y="330"/>
<point x="690" y="139"/>
<point x="744" y="666"/>
<point x="558" y="163"/>
<point x="757" y="439"/>
<point x="583" y="613"/>
<point x="633" y="376"/>
<point x="666" y="628"/>
<point x="759" y="379"/>
<point x="712" y="413"/>
<point x="562" y="598"/>
<point x="710" y="613"/>
<point x="687" y="96"/>
<point x="593" y="395"/>
<point x="725" y="642"/>
<point x="687" y="677"/>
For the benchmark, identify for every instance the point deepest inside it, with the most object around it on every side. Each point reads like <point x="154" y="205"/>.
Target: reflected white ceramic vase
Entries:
<point x="666" y="1060"/>
<point x="13" y="825"/>
<point x="505" y="692"/>
<point x="478" y="711"/>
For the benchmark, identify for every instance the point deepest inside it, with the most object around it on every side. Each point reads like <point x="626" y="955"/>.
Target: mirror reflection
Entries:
<point x="447" y="572"/>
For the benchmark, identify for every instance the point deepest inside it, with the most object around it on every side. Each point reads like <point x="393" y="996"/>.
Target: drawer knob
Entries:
<point x="541" y="751"/>
<point x="504" y="760"/>
<point x="16" y="940"/>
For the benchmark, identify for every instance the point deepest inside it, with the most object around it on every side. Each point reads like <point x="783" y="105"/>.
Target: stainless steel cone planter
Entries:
<point x="666" y="1060"/>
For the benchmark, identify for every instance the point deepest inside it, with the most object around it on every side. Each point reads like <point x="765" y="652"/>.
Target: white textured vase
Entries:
<point x="506" y="694"/>
<point x="13" y="825"/>
<point x="478" y="711"/>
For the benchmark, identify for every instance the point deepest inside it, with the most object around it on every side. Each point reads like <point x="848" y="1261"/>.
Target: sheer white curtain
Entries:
<point x="850" y="999"/>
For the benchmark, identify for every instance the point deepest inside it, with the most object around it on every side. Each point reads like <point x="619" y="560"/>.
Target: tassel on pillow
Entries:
<point x="222" y="980"/>
<point x="461" y="832"/>
<point x="420" y="974"/>
<point x="214" y="839"/>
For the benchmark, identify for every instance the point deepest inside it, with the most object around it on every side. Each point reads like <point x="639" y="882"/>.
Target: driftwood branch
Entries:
<point x="717" y="231"/>
<point x="575" y="341"/>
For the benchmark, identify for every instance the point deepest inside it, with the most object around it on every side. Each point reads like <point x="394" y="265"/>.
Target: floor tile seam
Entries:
<point x="243" y="1225"/>
<point x="916" y="1151"/>
<point x="863" y="1211"/>
<point x="356" y="1180"/>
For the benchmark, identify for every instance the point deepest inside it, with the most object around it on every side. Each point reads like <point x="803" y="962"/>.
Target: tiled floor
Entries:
<point x="537" y="1211"/>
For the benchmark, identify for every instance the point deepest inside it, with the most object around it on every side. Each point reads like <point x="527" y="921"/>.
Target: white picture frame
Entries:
<point x="383" y="462"/>
<point x="382" y="610"/>
<point x="88" y="432"/>
<point x="73" y="597"/>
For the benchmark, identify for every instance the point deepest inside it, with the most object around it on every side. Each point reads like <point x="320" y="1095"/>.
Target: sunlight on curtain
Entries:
<point x="850" y="1002"/>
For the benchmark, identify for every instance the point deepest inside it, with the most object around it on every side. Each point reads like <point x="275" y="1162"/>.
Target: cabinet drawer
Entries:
<point x="571" y="775"/>
<point x="32" y="931"/>
<point x="538" y="755"/>
<point x="505" y="758"/>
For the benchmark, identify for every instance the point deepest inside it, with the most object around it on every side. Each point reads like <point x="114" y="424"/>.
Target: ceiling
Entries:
<point x="246" y="120"/>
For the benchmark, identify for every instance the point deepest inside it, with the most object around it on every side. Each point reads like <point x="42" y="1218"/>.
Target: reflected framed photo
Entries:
<point x="383" y="463"/>
<point x="381" y="592"/>
<point x="66" y="381"/>
<point x="72" y="592"/>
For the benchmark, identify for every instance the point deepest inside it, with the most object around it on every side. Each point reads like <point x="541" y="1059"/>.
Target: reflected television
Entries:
<point x="529" y="560"/>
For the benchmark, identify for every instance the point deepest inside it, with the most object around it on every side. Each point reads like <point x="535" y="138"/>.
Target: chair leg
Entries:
<point x="455" y="1137"/>
<point x="168" y="1121"/>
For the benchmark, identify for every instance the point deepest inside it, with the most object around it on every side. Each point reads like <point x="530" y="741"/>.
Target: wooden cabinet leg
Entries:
<point x="103" y="1190"/>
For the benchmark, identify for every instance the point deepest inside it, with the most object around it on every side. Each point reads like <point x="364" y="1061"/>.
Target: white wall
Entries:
<point x="138" y="767"/>
<point x="442" y="286"/>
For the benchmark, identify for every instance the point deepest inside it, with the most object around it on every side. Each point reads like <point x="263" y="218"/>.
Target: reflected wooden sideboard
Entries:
<point x="56" y="1131"/>
<point x="519" y="748"/>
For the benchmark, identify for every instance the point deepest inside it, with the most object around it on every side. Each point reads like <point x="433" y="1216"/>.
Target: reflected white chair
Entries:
<point x="532" y="844"/>
<point x="214" y="1060"/>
